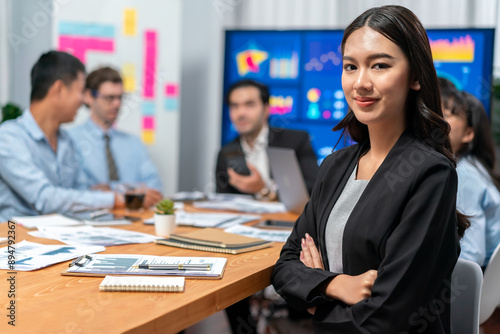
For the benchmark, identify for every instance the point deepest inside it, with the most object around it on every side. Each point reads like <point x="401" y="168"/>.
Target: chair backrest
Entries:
<point x="490" y="296"/>
<point x="466" y="282"/>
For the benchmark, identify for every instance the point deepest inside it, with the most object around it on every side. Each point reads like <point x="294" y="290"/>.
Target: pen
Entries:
<point x="173" y="266"/>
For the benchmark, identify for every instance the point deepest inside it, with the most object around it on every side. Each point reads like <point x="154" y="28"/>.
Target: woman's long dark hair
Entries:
<point x="424" y="116"/>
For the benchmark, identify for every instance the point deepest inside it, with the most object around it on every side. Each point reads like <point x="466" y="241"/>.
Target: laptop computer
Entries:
<point x="286" y="173"/>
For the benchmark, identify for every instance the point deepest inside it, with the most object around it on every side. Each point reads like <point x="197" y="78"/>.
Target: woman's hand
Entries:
<point x="351" y="289"/>
<point x="346" y="288"/>
<point x="310" y="256"/>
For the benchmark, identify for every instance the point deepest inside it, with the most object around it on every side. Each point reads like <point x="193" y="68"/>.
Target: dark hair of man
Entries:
<point x="263" y="90"/>
<point x="424" y="116"/>
<point x="50" y="67"/>
<point x="101" y="75"/>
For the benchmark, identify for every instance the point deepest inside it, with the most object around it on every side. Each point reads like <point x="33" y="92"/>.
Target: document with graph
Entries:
<point x="133" y="264"/>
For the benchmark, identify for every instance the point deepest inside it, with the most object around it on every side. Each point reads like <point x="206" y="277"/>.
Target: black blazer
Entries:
<point x="278" y="137"/>
<point x="403" y="226"/>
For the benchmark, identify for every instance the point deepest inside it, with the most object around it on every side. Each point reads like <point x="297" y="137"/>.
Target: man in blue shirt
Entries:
<point x="39" y="169"/>
<point x="110" y="157"/>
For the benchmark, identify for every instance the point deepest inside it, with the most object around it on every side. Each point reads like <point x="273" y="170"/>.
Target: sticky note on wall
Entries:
<point x="128" y="75"/>
<point x="150" y="57"/>
<point x="148" y="108"/>
<point x="129" y="22"/>
<point x="172" y="90"/>
<point x="148" y="136"/>
<point x="171" y="104"/>
<point x="148" y="123"/>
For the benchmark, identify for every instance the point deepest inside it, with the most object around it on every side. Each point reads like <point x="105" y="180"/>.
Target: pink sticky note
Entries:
<point x="171" y="90"/>
<point x="150" y="35"/>
<point x="148" y="123"/>
<point x="149" y="69"/>
<point x="78" y="46"/>
<point x="100" y="44"/>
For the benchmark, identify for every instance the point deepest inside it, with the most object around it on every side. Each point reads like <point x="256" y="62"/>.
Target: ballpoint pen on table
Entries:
<point x="174" y="266"/>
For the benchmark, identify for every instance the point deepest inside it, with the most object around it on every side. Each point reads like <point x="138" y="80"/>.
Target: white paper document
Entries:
<point x="212" y="219"/>
<point x="56" y="219"/>
<point x="243" y="205"/>
<point x="88" y="235"/>
<point x="32" y="255"/>
<point x="267" y="234"/>
<point x="46" y="220"/>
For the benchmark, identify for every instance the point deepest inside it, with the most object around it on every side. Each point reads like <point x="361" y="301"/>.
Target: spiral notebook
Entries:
<point x="142" y="284"/>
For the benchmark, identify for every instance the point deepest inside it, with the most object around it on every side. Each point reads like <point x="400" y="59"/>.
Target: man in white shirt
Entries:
<point x="243" y="164"/>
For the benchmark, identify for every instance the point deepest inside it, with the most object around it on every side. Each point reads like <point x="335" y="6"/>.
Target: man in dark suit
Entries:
<point x="242" y="164"/>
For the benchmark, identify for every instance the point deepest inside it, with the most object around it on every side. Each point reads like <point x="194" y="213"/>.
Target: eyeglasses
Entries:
<point x="108" y="98"/>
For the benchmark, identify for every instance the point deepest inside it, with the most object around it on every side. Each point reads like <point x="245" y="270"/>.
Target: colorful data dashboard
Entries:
<point x="303" y="70"/>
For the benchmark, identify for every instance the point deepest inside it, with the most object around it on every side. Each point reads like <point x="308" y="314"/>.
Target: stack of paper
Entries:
<point x="267" y="234"/>
<point x="46" y="220"/>
<point x="88" y="235"/>
<point x="31" y="255"/>
<point x="61" y="220"/>
<point x="243" y="205"/>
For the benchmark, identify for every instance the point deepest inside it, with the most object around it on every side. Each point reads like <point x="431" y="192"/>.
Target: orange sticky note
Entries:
<point x="129" y="22"/>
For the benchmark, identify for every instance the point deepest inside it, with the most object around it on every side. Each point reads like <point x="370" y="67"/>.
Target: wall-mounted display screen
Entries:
<point x="303" y="71"/>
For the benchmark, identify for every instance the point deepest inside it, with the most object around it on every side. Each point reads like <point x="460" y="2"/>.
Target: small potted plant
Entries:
<point x="164" y="218"/>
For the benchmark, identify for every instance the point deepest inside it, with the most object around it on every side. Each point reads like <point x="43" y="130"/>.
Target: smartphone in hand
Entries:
<point x="238" y="164"/>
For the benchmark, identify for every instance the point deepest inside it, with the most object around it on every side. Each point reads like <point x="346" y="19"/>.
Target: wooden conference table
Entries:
<point x="47" y="302"/>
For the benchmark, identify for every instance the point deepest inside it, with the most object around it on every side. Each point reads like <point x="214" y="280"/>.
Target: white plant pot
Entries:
<point x="164" y="225"/>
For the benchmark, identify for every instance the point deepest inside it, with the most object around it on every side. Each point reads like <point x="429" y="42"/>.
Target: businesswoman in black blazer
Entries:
<point x="375" y="247"/>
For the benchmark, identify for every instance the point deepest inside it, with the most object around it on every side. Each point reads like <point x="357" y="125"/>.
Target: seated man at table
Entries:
<point x="110" y="157"/>
<point x="248" y="103"/>
<point x="39" y="169"/>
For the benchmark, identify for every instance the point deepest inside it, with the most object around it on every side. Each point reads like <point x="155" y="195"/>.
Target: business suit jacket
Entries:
<point x="278" y="137"/>
<point x="403" y="226"/>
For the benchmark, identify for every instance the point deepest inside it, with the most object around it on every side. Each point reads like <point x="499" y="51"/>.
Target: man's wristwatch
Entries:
<point x="264" y="192"/>
<point x="267" y="194"/>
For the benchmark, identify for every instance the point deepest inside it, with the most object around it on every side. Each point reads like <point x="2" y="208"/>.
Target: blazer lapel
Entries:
<point x="377" y="186"/>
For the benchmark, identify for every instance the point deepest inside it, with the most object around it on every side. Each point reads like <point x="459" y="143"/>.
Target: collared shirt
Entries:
<point x="130" y="156"/>
<point x="478" y="197"/>
<point x="257" y="155"/>
<point x="36" y="180"/>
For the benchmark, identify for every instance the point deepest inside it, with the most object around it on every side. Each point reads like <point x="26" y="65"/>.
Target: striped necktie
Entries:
<point x="112" y="171"/>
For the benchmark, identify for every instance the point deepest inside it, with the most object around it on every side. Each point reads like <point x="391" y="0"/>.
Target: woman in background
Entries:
<point x="478" y="193"/>
<point x="382" y="212"/>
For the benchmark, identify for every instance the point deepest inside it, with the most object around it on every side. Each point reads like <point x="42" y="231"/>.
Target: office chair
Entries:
<point x="490" y="295"/>
<point x="465" y="300"/>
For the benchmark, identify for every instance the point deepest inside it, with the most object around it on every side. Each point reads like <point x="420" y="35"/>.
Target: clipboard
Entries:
<point x="100" y="265"/>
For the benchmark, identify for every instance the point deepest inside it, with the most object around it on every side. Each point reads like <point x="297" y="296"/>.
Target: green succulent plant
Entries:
<point x="10" y="111"/>
<point x="165" y="207"/>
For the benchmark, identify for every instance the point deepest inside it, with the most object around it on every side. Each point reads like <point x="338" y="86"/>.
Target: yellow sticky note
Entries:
<point x="128" y="75"/>
<point x="129" y="22"/>
<point x="148" y="136"/>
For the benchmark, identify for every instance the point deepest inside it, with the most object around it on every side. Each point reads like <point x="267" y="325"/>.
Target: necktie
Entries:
<point x="112" y="171"/>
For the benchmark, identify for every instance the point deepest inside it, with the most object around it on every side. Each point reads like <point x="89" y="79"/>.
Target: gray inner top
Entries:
<point x="338" y="219"/>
